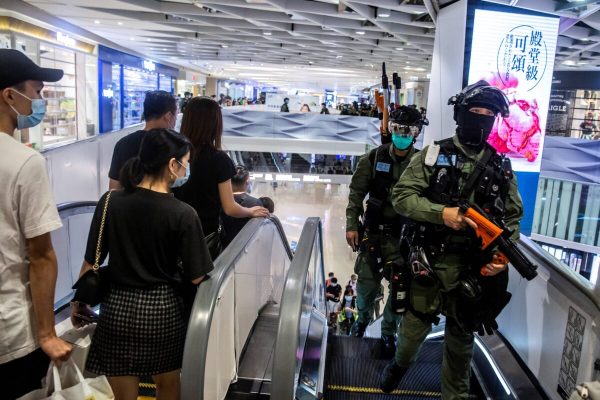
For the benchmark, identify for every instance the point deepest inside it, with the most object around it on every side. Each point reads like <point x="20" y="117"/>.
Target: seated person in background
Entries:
<point x="241" y="187"/>
<point x="268" y="203"/>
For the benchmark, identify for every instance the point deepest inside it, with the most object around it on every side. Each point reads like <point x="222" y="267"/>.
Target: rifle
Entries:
<point x="493" y="231"/>
<point x="397" y="82"/>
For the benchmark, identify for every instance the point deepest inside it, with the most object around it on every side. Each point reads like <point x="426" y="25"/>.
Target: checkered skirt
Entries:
<point x="140" y="332"/>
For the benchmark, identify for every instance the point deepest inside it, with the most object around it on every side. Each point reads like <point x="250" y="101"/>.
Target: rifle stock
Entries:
<point x="494" y="232"/>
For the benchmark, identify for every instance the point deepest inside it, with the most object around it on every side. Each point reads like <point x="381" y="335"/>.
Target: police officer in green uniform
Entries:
<point x="375" y="175"/>
<point x="448" y="265"/>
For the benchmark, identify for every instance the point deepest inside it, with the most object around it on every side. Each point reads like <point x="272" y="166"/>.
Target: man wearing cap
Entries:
<point x="28" y="266"/>
<point x="379" y="247"/>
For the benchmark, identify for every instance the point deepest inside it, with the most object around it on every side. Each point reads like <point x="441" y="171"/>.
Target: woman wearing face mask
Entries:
<point x="347" y="311"/>
<point x="155" y="243"/>
<point x="209" y="189"/>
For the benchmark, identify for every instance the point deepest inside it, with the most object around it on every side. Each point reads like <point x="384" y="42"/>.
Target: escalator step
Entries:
<point x="366" y="373"/>
<point x="398" y="395"/>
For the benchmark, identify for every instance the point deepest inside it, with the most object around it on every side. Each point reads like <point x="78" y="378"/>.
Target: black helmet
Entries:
<point x="407" y="116"/>
<point x="479" y="94"/>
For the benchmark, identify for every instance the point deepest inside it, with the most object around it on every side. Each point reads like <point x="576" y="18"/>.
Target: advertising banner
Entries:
<point x="515" y="52"/>
<point x="275" y="100"/>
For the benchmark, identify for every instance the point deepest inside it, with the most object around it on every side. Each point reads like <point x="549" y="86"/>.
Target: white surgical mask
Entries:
<point x="181" y="180"/>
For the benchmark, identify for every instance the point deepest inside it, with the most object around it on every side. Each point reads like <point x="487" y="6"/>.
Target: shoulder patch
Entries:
<point x="432" y="154"/>
<point x="383" y="167"/>
<point x="444" y="161"/>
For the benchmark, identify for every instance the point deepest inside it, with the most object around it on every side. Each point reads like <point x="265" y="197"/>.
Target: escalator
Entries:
<point x="310" y="364"/>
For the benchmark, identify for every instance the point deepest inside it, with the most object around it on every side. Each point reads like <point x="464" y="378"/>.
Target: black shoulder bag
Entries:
<point x="92" y="286"/>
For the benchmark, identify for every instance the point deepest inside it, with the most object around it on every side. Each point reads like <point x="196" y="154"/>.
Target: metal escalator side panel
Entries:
<point x="304" y="284"/>
<point x="211" y="293"/>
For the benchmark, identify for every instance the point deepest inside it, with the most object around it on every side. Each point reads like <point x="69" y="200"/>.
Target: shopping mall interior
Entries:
<point x="306" y="89"/>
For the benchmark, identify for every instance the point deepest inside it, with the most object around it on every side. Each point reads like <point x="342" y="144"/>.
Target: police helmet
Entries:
<point x="479" y="94"/>
<point x="403" y="118"/>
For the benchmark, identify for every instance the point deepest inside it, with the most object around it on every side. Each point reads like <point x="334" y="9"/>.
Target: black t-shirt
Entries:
<point x="336" y="291"/>
<point x="152" y="238"/>
<point x="126" y="148"/>
<point x="208" y="168"/>
<point x="232" y="225"/>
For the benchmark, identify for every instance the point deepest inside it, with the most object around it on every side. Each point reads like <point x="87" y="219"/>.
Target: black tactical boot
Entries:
<point x="389" y="345"/>
<point x="358" y="329"/>
<point x="391" y="377"/>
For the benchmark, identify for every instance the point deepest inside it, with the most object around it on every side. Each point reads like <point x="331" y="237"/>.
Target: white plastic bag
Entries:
<point x="67" y="383"/>
<point x="81" y="339"/>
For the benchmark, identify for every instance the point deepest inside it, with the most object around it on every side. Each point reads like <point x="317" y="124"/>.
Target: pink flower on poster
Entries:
<point x="520" y="132"/>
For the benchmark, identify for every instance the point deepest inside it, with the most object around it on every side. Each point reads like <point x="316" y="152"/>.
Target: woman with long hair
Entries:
<point x="209" y="188"/>
<point x="155" y="244"/>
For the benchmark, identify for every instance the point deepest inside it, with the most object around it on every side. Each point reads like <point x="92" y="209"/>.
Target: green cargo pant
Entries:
<point x="367" y="287"/>
<point x="458" y="345"/>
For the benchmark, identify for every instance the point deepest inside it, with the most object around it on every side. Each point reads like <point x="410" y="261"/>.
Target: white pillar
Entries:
<point x="446" y="70"/>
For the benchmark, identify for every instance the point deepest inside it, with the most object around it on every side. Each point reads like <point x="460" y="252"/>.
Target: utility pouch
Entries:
<point x="425" y="299"/>
<point x="373" y="213"/>
<point x="375" y="256"/>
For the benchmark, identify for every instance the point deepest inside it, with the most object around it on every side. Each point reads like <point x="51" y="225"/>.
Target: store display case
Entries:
<point x="165" y="83"/>
<point x="135" y="85"/>
<point x="115" y="96"/>
<point x="60" y="123"/>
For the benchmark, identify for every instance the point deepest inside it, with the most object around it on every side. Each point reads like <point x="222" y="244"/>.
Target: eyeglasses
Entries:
<point x="402" y="130"/>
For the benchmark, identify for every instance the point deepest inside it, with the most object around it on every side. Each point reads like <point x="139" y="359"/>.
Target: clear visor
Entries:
<point x="402" y="130"/>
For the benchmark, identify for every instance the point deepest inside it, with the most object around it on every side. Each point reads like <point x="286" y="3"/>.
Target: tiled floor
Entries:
<point x="294" y="202"/>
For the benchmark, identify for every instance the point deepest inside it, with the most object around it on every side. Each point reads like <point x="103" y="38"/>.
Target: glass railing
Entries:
<point x="299" y="358"/>
<point x="69" y="244"/>
<point x="567" y="222"/>
<point x="248" y="275"/>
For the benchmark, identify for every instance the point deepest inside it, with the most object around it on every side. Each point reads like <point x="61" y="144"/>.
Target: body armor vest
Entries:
<point x="448" y="185"/>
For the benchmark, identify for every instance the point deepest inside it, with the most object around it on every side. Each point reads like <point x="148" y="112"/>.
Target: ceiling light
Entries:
<point x="408" y="62"/>
<point x="119" y="23"/>
<point x="96" y="21"/>
<point x="360" y="32"/>
<point x="569" y="62"/>
<point x="164" y="49"/>
<point x="383" y="13"/>
<point x="399" y="48"/>
<point x="131" y="38"/>
<point x="267" y="33"/>
<point x="339" y="56"/>
<point x="585" y="39"/>
<point x="224" y="46"/>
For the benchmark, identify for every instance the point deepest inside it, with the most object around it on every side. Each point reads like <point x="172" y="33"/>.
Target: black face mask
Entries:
<point x="475" y="129"/>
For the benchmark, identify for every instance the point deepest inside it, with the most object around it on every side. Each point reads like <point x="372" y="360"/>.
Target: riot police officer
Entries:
<point x="375" y="175"/>
<point x="462" y="168"/>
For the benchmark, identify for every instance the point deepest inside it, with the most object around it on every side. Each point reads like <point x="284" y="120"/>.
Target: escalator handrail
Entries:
<point x="196" y="343"/>
<point x="62" y="207"/>
<point x="589" y="290"/>
<point x="285" y="356"/>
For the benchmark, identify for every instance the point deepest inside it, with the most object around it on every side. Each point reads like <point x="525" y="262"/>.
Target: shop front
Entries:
<point x="191" y="82"/>
<point x="124" y="81"/>
<point x="574" y="109"/>
<point x="72" y="102"/>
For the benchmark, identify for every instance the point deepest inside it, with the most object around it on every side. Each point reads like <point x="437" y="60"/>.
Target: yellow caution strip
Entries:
<point x="358" y="389"/>
<point x="147" y="385"/>
<point x="146" y="398"/>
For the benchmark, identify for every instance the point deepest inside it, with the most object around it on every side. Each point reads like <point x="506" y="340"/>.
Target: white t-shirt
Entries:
<point x="27" y="210"/>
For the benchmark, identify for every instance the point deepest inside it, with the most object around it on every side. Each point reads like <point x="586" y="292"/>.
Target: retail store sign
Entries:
<point x="149" y="65"/>
<point x="515" y="52"/>
<point x="65" y="39"/>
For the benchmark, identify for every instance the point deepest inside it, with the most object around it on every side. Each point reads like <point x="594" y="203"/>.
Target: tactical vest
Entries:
<point x="490" y="188"/>
<point x="382" y="181"/>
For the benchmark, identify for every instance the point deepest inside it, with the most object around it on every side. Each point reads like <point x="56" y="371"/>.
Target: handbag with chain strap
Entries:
<point x="92" y="286"/>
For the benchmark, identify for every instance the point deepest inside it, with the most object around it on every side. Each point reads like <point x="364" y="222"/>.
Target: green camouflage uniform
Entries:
<point x="368" y="285"/>
<point x="409" y="200"/>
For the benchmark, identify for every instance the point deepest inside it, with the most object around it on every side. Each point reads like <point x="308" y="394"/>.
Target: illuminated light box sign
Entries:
<point x="515" y="52"/>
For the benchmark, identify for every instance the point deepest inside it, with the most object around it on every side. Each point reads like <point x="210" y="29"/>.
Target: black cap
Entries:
<point x="16" y="67"/>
